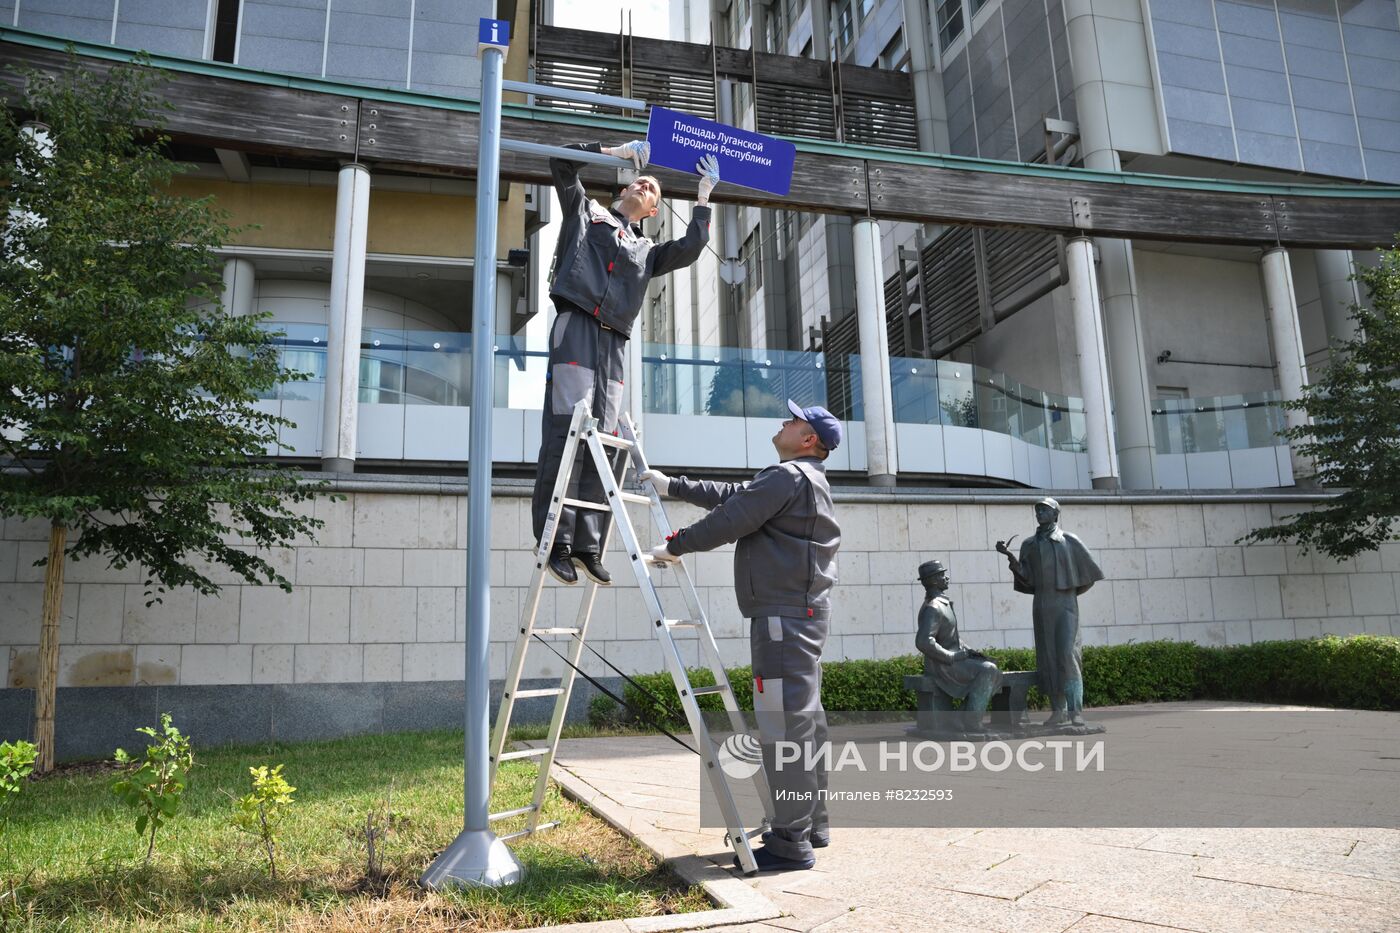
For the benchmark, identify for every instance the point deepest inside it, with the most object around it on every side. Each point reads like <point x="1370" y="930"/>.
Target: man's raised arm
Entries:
<point x="680" y="253"/>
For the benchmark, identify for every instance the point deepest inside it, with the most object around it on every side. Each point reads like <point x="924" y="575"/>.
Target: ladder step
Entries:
<point x="525" y="832"/>
<point x="636" y="498"/>
<point x="707" y="691"/>
<point x="507" y="814"/>
<point x="542" y="692"/>
<point x="609" y="441"/>
<point x="683" y="623"/>
<point x="581" y="504"/>
<point x="555" y="631"/>
<point x="524" y="753"/>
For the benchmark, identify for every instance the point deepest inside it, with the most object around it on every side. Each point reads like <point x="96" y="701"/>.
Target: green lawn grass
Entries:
<point x="72" y="860"/>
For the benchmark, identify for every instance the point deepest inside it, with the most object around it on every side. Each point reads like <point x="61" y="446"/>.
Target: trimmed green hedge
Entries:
<point x="1358" y="672"/>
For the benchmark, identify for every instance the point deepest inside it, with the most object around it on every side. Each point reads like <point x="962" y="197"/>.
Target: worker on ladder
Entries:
<point x="602" y="265"/>
<point x="784" y="568"/>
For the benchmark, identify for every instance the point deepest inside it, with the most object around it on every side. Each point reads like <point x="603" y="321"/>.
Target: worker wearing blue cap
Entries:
<point x="784" y="568"/>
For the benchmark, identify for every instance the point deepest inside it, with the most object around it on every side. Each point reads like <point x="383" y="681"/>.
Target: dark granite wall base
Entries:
<point x="91" y="722"/>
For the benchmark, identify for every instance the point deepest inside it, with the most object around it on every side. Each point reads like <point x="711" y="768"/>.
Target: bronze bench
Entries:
<point x="1007" y="708"/>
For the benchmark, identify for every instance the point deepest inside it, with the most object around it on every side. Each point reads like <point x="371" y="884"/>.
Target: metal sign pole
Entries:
<point x="477" y="858"/>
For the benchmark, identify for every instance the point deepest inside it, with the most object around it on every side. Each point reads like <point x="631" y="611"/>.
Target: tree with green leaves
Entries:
<point x="1353" y="433"/>
<point x="127" y="395"/>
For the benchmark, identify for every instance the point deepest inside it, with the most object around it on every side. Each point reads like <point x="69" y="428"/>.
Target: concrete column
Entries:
<point x="240" y="287"/>
<point x="821" y="30"/>
<point x="882" y="459"/>
<point x="1093" y="362"/>
<point x="1338" y="292"/>
<point x="1132" y="392"/>
<point x="1281" y="303"/>
<point x="347" y="309"/>
<point x="930" y="106"/>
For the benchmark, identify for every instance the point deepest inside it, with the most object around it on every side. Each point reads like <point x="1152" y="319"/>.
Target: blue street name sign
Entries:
<point x="678" y="140"/>
<point x="493" y="34"/>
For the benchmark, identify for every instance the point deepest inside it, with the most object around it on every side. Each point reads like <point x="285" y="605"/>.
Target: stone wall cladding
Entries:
<point x="379" y="596"/>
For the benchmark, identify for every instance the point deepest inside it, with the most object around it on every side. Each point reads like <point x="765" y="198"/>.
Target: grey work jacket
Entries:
<point x="783" y="520"/>
<point x="602" y="263"/>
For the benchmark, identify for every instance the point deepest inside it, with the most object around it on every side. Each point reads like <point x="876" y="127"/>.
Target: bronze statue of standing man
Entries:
<point x="1056" y="568"/>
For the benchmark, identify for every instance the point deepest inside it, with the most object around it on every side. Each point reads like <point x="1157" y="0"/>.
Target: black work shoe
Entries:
<point x="561" y="566"/>
<point x="589" y="563"/>
<point x="768" y="861"/>
<point x="820" y="840"/>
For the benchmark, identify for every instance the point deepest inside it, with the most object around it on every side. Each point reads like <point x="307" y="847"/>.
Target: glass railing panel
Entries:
<point x="844" y="397"/>
<point x="994" y="405"/>
<point x="1066" y="432"/>
<point x="914" y="389"/>
<point x="437" y="368"/>
<point x="301" y="348"/>
<point x="1034" y="420"/>
<point x="1217" y="423"/>
<point x="520" y="373"/>
<point x="957" y="402"/>
<point x="1166" y="425"/>
<point x="1263" y="419"/>
<point x="771" y="377"/>
<point x="688" y="380"/>
<point x="382" y="366"/>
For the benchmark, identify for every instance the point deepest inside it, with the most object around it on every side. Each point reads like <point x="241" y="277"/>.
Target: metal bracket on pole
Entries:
<point x="560" y="152"/>
<point x="582" y="97"/>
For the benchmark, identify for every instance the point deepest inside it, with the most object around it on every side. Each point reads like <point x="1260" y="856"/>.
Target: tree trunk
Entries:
<point x="48" y="649"/>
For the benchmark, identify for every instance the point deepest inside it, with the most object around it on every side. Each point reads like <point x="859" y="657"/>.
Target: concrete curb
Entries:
<point x="738" y="901"/>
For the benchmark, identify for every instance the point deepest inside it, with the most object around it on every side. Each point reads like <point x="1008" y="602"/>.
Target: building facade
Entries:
<point x="1195" y="356"/>
<point x="956" y="355"/>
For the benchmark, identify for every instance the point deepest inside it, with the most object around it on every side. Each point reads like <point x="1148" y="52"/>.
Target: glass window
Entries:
<point x="895" y="57"/>
<point x="948" y="15"/>
<point x="845" y="27"/>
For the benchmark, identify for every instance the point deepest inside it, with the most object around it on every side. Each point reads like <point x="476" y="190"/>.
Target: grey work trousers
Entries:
<point x="586" y="360"/>
<point x="787" y="704"/>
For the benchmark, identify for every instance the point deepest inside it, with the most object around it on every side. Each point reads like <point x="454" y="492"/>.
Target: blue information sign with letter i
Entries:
<point x="493" y="34"/>
<point x="679" y="140"/>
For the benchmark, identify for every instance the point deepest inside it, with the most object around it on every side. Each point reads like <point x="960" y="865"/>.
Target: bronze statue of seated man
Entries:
<point x="956" y="669"/>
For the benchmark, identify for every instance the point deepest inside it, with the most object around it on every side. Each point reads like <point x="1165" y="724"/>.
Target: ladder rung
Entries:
<point x="555" y="631"/>
<point x="581" y="504"/>
<point x="609" y="441"/>
<point x="542" y="692"/>
<point x="526" y="832"/>
<point x="683" y="623"/>
<point x="524" y="753"/>
<point x="707" y="691"/>
<point x="636" y="498"/>
<point x="507" y="814"/>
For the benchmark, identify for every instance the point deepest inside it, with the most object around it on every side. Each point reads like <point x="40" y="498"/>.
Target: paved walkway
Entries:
<point x="1083" y="880"/>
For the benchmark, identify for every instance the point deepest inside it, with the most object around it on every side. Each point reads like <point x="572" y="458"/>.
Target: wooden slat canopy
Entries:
<point x="239" y="109"/>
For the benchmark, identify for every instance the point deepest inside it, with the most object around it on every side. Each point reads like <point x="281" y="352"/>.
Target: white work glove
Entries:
<point x="659" y="555"/>
<point x="656" y="480"/>
<point x="708" y="167"/>
<point x="638" y="150"/>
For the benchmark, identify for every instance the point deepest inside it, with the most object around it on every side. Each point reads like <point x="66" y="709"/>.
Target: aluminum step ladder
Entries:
<point x="584" y="431"/>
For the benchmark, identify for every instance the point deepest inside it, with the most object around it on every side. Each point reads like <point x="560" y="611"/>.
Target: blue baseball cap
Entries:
<point x="822" y="421"/>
